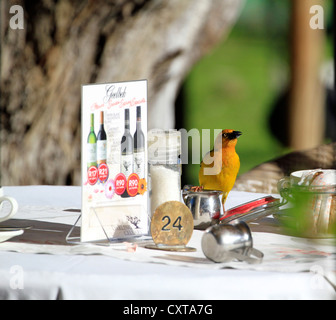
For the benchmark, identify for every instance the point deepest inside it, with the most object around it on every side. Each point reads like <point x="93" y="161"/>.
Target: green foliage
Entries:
<point x="234" y="88"/>
<point x="306" y="216"/>
<point x="237" y="84"/>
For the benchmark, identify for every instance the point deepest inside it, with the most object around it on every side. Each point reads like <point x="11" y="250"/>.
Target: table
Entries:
<point x="293" y="268"/>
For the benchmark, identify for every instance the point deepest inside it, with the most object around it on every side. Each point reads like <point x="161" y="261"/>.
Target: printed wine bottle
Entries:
<point x="92" y="145"/>
<point x="127" y="148"/>
<point x="139" y="147"/>
<point x="101" y="141"/>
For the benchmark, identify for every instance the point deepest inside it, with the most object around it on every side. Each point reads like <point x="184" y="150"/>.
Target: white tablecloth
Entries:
<point x="40" y="264"/>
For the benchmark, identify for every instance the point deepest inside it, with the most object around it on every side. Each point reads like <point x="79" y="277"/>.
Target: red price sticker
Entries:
<point x="120" y="184"/>
<point x="103" y="172"/>
<point x="132" y="185"/>
<point x="92" y="175"/>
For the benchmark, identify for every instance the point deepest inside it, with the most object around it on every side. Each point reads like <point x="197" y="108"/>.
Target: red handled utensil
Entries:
<point x="253" y="210"/>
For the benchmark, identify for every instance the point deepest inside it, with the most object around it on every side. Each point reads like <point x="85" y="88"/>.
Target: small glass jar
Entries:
<point x="165" y="170"/>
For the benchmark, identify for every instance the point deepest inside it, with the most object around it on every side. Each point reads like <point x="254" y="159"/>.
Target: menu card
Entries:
<point x="114" y="161"/>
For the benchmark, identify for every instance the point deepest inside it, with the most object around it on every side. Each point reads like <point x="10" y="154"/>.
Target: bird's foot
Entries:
<point x="196" y="188"/>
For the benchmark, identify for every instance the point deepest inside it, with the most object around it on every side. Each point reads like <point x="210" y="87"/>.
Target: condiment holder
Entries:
<point x="164" y="152"/>
<point x="227" y="242"/>
<point x="312" y="198"/>
<point x="205" y="206"/>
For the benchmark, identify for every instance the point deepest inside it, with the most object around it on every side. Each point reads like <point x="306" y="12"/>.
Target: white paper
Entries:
<point x="111" y="203"/>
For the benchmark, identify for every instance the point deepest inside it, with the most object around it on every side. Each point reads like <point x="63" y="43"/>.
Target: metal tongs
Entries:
<point x="253" y="210"/>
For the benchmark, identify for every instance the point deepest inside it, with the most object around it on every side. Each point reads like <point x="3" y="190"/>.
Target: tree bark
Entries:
<point x="65" y="44"/>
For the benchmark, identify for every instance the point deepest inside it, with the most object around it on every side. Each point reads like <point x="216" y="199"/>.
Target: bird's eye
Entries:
<point x="224" y="135"/>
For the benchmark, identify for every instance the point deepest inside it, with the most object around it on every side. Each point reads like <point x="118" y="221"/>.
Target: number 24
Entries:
<point x="176" y="224"/>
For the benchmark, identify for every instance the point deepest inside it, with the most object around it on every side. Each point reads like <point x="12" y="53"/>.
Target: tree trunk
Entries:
<point x="65" y="44"/>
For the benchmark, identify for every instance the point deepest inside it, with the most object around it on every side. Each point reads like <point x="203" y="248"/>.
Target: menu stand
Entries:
<point x="75" y="239"/>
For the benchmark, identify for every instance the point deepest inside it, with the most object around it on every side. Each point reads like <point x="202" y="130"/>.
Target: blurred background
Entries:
<point x="244" y="83"/>
<point x="251" y="65"/>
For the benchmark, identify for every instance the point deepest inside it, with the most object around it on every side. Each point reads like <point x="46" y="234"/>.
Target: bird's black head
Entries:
<point x="231" y="134"/>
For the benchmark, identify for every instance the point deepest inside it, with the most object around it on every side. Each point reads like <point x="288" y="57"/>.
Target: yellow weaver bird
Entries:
<point x="220" y="166"/>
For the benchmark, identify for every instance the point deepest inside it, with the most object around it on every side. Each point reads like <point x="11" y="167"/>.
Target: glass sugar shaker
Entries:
<point x="165" y="170"/>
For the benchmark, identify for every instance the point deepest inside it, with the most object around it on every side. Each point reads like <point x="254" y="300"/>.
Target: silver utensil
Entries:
<point x="253" y="210"/>
<point x="227" y="242"/>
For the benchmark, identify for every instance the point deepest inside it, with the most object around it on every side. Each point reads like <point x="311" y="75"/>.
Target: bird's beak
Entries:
<point x="234" y="135"/>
